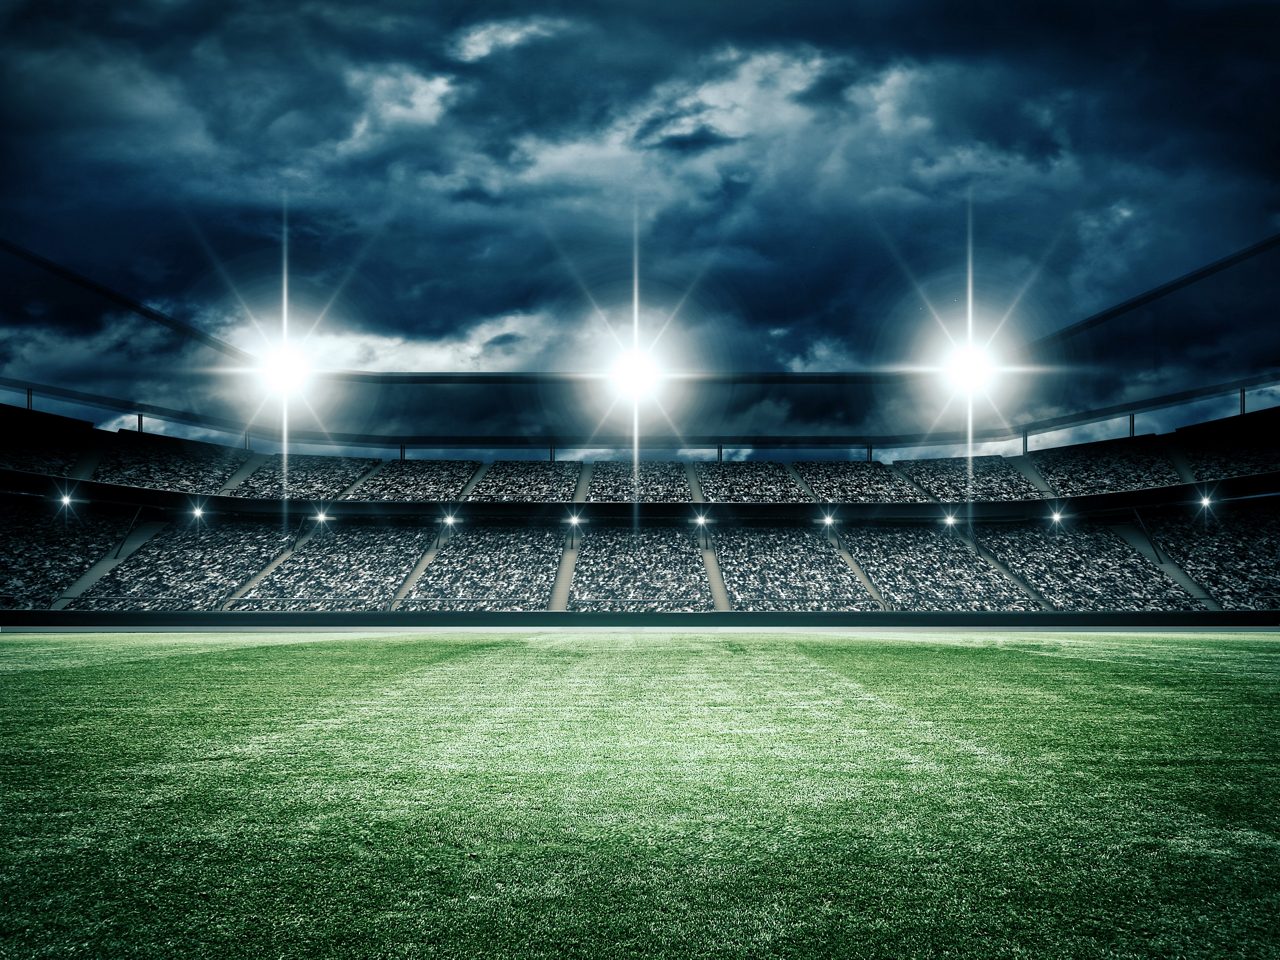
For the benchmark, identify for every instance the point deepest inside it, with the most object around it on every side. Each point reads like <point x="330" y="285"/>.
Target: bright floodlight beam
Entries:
<point x="635" y="375"/>
<point x="66" y="500"/>
<point x="1206" y="502"/>
<point x="970" y="370"/>
<point x="285" y="370"/>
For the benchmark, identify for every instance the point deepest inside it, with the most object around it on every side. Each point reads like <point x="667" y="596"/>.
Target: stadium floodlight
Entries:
<point x="970" y="370"/>
<point x="949" y="520"/>
<point x="828" y="520"/>
<point x="449" y="520"/>
<point x="285" y="370"/>
<point x="635" y="375"/>
<point x="574" y="521"/>
<point x="700" y="520"/>
<point x="198" y="512"/>
<point x="1206" y="502"/>
<point x="1056" y="517"/>
<point x="66" y="500"/>
<point x="322" y="517"/>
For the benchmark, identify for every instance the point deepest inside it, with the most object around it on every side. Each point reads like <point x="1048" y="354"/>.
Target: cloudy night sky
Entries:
<point x="464" y="183"/>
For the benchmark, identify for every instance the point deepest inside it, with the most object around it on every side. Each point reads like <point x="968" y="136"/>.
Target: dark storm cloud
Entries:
<point x="457" y="176"/>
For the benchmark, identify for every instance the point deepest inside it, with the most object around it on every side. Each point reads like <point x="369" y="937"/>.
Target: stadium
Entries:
<point x="761" y="503"/>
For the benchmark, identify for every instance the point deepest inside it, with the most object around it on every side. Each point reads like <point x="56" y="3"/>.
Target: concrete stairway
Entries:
<point x="86" y="463"/>
<point x="858" y="572"/>
<point x="1026" y="466"/>
<point x="371" y="472"/>
<point x="471" y="484"/>
<point x="564" y="576"/>
<point x="800" y="481"/>
<point x="1137" y="538"/>
<point x="1008" y="574"/>
<point x="262" y="574"/>
<point x="584" y="483"/>
<point x="115" y="556"/>
<point x="719" y="593"/>
<point x="695" y="488"/>
<point x="253" y="463"/>
<point x="893" y="468"/>
<point x="416" y="573"/>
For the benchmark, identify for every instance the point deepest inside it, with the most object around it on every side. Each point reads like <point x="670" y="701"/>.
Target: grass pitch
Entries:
<point x="613" y="794"/>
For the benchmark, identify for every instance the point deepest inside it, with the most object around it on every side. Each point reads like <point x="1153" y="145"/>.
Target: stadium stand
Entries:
<point x="162" y="463"/>
<point x="948" y="479"/>
<point x="347" y="567"/>
<point x="1236" y="558"/>
<point x="309" y="477"/>
<point x="1238" y="446"/>
<point x="44" y="443"/>
<point x="917" y="568"/>
<point x="656" y="481"/>
<point x="787" y="568"/>
<point x="1110" y="466"/>
<point x="490" y="568"/>
<point x="529" y="481"/>
<point x="857" y="481"/>
<point x="43" y="552"/>
<point x="196" y="566"/>
<point x="52" y="459"/>
<point x="423" y="481"/>
<point x="654" y="569"/>
<point x="749" y="481"/>
<point x="1083" y="566"/>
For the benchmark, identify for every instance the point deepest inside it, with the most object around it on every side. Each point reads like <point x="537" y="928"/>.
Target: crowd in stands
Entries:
<point x="787" y="568"/>
<point x="1217" y="461"/>
<point x="949" y="480"/>
<point x="536" y="481"/>
<point x="51" y="460"/>
<point x="653" y="569"/>
<point x="1108" y="467"/>
<point x="923" y="568"/>
<point x="43" y="551"/>
<point x="423" y="481"/>
<point x="1083" y="566"/>
<point x="1235" y="558"/>
<point x="748" y="481"/>
<point x="308" y="477"/>
<point x="351" y="566"/>
<point x="193" y="566"/>
<point x="490" y="568"/>
<point x="857" y="481"/>
<point x="187" y="468"/>
<point x="654" y="481"/>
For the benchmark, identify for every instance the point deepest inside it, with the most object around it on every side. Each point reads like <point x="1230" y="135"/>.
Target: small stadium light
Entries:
<point x="321" y="517"/>
<point x="1056" y="517"/>
<point x="970" y="370"/>
<point x="449" y="520"/>
<point x="700" y="520"/>
<point x="635" y="375"/>
<point x="1206" y="502"/>
<point x="198" y="512"/>
<point x="573" y="520"/>
<point x="66" y="500"/>
<point x="828" y="520"/>
<point x="285" y="370"/>
<point x="949" y="520"/>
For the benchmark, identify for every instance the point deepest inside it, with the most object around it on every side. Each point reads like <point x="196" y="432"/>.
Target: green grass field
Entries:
<point x="627" y="794"/>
